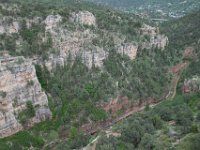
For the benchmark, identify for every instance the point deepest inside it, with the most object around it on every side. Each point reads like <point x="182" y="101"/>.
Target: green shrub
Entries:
<point x="21" y="140"/>
<point x="98" y="114"/>
<point x="27" y="114"/>
<point x="3" y="94"/>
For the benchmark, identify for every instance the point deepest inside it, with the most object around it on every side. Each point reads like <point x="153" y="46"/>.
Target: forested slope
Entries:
<point x="173" y="124"/>
<point x="77" y="92"/>
<point x="154" y="8"/>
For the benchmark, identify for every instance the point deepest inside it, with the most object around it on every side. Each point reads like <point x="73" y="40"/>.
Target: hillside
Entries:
<point x="95" y="65"/>
<point x="154" y="8"/>
<point x="85" y="57"/>
<point x="182" y="33"/>
<point x="174" y="123"/>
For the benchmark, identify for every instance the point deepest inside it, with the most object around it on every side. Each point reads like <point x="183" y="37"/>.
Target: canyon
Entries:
<point x="18" y="81"/>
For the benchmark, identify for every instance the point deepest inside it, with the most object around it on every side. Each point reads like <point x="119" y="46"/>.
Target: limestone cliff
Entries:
<point x="155" y="39"/>
<point x="129" y="49"/>
<point x="52" y="21"/>
<point x="84" y="18"/>
<point x="18" y="85"/>
<point x="73" y="33"/>
<point x="9" y="25"/>
<point x="191" y="85"/>
<point x="78" y="41"/>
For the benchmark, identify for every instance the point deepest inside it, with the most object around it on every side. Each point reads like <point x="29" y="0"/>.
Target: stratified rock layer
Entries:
<point x="129" y="49"/>
<point x="18" y="85"/>
<point x="7" y="26"/>
<point x="155" y="38"/>
<point x="84" y="18"/>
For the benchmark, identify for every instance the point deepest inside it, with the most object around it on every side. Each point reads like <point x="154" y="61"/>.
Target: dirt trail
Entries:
<point x="103" y="125"/>
<point x="177" y="71"/>
<point x="92" y="128"/>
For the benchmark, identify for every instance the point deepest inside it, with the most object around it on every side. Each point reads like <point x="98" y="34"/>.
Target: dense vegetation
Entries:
<point x="163" y="126"/>
<point x="74" y="90"/>
<point x="33" y="42"/>
<point x="21" y="140"/>
<point x="159" y="128"/>
<point x="182" y="33"/>
<point x="154" y="8"/>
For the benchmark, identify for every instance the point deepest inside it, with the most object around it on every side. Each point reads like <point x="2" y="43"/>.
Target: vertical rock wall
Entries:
<point x="18" y="85"/>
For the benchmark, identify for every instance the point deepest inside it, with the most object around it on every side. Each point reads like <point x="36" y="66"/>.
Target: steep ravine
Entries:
<point x="18" y="81"/>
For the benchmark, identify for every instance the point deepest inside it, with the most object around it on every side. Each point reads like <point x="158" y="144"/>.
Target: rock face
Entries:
<point x="95" y="57"/>
<point x="129" y="49"/>
<point x="191" y="85"/>
<point x="159" y="41"/>
<point x="8" y="25"/>
<point x="84" y="18"/>
<point x="155" y="38"/>
<point x="76" y="43"/>
<point x="18" y="85"/>
<point x="35" y="20"/>
<point x="52" y="21"/>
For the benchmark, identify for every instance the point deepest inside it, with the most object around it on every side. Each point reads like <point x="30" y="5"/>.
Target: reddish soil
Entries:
<point x="115" y="105"/>
<point x="178" y="68"/>
<point x="129" y="108"/>
<point x="134" y="107"/>
<point x="122" y="103"/>
<point x="188" y="53"/>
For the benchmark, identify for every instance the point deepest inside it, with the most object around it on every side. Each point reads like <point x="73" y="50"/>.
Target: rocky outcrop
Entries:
<point x="148" y="30"/>
<point x="191" y="85"/>
<point x="129" y="49"/>
<point x="52" y="21"/>
<point x="79" y="42"/>
<point x="18" y="85"/>
<point x="35" y="20"/>
<point x="159" y="41"/>
<point x="84" y="18"/>
<point x="95" y="57"/>
<point x="76" y="43"/>
<point x="53" y="61"/>
<point x="154" y="38"/>
<point x="8" y="25"/>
